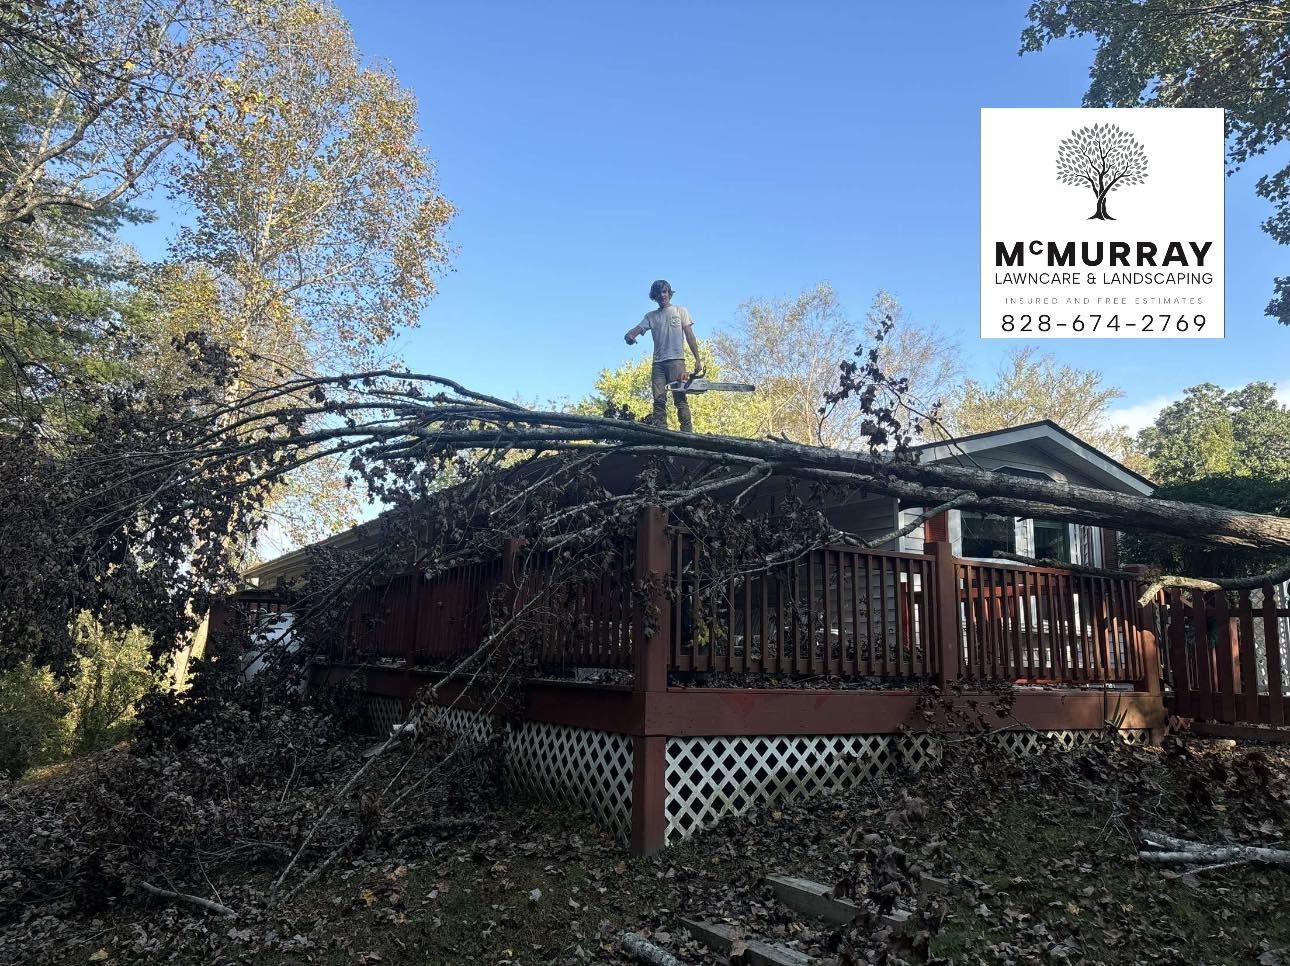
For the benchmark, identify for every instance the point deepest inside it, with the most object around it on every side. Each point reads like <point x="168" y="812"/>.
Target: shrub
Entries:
<point x="33" y="714"/>
<point x="113" y="672"/>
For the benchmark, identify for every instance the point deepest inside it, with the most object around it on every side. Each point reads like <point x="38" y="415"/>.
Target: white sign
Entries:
<point x="1101" y="223"/>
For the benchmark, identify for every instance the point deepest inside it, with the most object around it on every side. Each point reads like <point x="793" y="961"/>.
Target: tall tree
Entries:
<point x="314" y="204"/>
<point x="1031" y="385"/>
<point x="1212" y="431"/>
<point x="1228" y="448"/>
<point x="1233" y="54"/>
<point x="318" y="224"/>
<point x="121" y="83"/>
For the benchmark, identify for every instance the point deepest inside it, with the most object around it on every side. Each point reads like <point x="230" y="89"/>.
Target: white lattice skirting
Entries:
<point x="580" y="766"/>
<point x="708" y="779"/>
<point x="383" y="713"/>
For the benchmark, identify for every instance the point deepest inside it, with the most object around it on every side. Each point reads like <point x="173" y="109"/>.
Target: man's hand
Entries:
<point x="630" y="337"/>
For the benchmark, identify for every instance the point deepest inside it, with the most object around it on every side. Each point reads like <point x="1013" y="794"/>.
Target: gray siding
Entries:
<point x="868" y="519"/>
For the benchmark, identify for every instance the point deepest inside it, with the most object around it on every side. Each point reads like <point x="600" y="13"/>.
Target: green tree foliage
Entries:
<point x="1031" y="385"/>
<point x="1258" y="495"/>
<point x="1228" y="448"/>
<point x="1178" y="53"/>
<point x="44" y="723"/>
<point x="1216" y="432"/>
<point x="114" y="671"/>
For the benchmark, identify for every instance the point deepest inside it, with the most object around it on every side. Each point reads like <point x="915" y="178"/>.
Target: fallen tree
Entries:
<point x="148" y="504"/>
<point x="403" y="432"/>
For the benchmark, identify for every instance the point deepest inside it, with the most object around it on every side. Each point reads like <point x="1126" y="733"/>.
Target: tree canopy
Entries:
<point x="1177" y="53"/>
<point x="1031" y="385"/>
<point x="1213" y="432"/>
<point x="314" y="232"/>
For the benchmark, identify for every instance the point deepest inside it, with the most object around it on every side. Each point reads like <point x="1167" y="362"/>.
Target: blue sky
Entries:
<point x="740" y="149"/>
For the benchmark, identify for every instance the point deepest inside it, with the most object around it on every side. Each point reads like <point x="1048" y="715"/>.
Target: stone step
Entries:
<point x="721" y="938"/>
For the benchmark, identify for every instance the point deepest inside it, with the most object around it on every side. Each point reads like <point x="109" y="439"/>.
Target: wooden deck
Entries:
<point x="841" y="641"/>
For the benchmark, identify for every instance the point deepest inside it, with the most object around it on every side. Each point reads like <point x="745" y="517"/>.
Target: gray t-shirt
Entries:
<point x="668" y="326"/>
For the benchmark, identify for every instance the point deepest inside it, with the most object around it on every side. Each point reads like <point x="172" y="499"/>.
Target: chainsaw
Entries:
<point x="694" y="382"/>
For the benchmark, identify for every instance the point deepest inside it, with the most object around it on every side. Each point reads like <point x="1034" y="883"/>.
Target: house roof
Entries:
<point x="1048" y="437"/>
<point x="1044" y="436"/>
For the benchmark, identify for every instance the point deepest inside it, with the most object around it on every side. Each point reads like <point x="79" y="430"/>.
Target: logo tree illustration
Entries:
<point x="1103" y="157"/>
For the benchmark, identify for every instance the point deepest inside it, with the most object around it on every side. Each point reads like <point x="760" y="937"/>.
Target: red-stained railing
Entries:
<point x="576" y="622"/>
<point x="835" y="611"/>
<point x="1227" y="655"/>
<point x="568" y="620"/>
<point x="426" y="620"/>
<point x="838" y="612"/>
<point x="1040" y="625"/>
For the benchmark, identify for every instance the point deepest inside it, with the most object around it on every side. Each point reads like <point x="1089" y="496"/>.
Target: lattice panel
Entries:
<point x="707" y="779"/>
<point x="476" y="728"/>
<point x="383" y="713"/>
<point x="591" y="768"/>
<point x="1037" y="742"/>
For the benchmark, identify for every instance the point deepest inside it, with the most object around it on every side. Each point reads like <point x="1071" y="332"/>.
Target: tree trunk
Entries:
<point x="1100" y="212"/>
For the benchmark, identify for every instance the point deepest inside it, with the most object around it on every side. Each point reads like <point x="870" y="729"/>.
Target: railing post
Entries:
<point x="946" y="596"/>
<point x="1149" y="654"/>
<point x="511" y="548"/>
<point x="652" y="621"/>
<point x="1149" y="649"/>
<point x="651" y="656"/>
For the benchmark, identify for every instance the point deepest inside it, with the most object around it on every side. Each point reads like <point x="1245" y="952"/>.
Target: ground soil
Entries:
<point x="1040" y="855"/>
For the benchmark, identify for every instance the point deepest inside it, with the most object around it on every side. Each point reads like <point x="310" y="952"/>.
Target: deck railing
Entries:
<point x="833" y="611"/>
<point x="1040" y="625"/>
<point x="838" y="611"/>
<point x="576" y="622"/>
<point x="1228" y="654"/>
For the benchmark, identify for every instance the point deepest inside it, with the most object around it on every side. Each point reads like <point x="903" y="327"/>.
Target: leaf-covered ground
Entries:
<point x="1039" y="855"/>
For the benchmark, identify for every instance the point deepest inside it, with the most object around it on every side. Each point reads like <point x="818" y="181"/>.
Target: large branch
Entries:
<point x="386" y="416"/>
<point x="906" y="479"/>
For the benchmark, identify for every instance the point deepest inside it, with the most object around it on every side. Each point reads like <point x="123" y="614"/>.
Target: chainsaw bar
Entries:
<point x="703" y="385"/>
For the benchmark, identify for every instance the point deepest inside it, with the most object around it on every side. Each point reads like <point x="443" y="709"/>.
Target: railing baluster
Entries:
<point x="1227" y="658"/>
<point x="853" y="658"/>
<point x="841" y="615"/>
<point x="1249" y="661"/>
<point x="882" y="612"/>
<point x="1272" y="641"/>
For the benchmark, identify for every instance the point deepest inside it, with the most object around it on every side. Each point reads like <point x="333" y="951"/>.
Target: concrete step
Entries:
<point x="721" y="938"/>
<point x="813" y="899"/>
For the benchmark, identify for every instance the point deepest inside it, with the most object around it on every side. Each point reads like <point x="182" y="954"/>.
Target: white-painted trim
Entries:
<point x="1128" y="483"/>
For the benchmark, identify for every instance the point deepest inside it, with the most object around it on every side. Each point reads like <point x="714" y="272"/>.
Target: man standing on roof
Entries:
<point x="672" y="328"/>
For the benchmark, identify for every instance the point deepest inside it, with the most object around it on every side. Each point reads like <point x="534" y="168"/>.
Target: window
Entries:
<point x="1052" y="541"/>
<point x="984" y="533"/>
